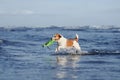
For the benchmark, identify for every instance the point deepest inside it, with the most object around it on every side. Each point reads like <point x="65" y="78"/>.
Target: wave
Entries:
<point x="62" y="27"/>
<point x="72" y="51"/>
<point x="12" y="43"/>
<point x="92" y="27"/>
<point x="27" y="28"/>
<point x="16" y="43"/>
<point x="113" y="29"/>
<point x="104" y="52"/>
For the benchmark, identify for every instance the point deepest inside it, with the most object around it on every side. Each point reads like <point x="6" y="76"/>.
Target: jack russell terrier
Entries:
<point x="66" y="43"/>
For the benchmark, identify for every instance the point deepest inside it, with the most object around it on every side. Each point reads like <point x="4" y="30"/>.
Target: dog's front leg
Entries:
<point x="58" y="49"/>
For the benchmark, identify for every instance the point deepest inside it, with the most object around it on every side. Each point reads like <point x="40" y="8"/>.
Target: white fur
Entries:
<point x="62" y="44"/>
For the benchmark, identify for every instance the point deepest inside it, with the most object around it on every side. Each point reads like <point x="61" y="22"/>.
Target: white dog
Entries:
<point x="66" y="43"/>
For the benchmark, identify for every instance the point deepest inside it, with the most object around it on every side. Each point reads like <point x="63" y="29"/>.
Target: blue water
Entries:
<point x="23" y="58"/>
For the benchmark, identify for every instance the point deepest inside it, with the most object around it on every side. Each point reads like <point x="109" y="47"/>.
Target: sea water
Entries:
<point x="22" y="56"/>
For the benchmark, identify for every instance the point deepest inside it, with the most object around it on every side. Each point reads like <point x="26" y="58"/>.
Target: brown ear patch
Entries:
<point x="57" y="36"/>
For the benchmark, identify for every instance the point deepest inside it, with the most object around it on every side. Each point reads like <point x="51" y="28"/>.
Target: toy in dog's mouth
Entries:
<point x="48" y="43"/>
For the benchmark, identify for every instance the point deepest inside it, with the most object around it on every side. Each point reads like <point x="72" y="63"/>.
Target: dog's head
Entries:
<point x="57" y="37"/>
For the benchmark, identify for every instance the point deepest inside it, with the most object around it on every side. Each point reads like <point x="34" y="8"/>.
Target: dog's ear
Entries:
<point x="60" y="35"/>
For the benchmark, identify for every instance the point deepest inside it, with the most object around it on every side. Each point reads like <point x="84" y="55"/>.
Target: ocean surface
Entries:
<point x="22" y="56"/>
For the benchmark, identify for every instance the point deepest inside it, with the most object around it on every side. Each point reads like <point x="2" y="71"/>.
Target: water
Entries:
<point x="23" y="58"/>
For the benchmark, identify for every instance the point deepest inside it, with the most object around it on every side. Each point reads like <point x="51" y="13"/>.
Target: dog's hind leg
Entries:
<point x="76" y="46"/>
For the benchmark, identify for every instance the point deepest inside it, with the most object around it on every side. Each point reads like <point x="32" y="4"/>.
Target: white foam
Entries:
<point x="68" y="27"/>
<point x="93" y="27"/>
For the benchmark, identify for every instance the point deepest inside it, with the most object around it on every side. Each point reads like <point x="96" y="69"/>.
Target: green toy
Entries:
<point x="49" y="43"/>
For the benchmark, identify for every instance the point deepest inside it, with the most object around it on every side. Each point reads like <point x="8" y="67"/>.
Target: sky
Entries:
<point x="59" y="12"/>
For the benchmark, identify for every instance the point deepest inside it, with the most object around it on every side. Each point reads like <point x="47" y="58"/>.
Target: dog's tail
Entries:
<point x="76" y="38"/>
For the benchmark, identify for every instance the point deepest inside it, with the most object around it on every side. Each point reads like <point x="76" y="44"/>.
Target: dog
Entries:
<point x="66" y="43"/>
